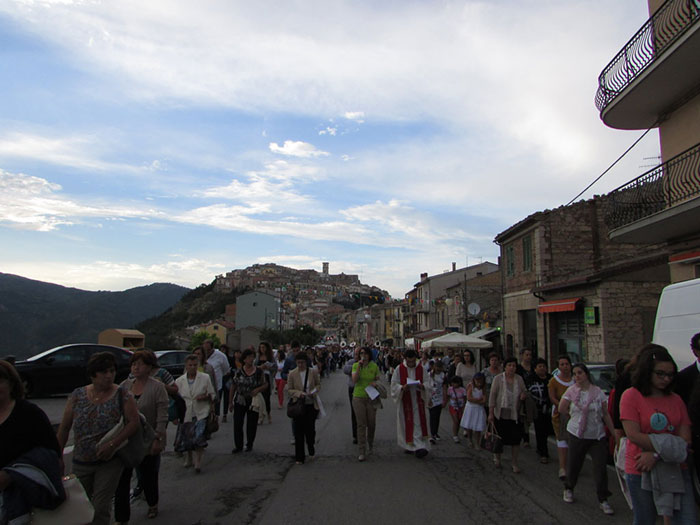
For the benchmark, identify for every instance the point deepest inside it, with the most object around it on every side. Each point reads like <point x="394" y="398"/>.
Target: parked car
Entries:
<point x="63" y="369"/>
<point x="602" y="374"/>
<point x="173" y="361"/>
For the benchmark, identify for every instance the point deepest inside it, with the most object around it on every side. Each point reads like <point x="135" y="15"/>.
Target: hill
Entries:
<point x="36" y="316"/>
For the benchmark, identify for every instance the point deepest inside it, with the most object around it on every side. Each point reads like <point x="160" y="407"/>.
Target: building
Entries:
<point x="473" y="304"/>
<point x="654" y="82"/>
<point x="123" y="337"/>
<point x="257" y="309"/>
<point x="220" y="328"/>
<point x="424" y="298"/>
<point x="568" y="288"/>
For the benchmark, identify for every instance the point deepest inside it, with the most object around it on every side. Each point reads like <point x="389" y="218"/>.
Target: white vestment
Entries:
<point x="419" y="441"/>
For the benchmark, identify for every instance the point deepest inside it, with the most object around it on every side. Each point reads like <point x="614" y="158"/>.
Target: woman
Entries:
<point x="556" y="387"/>
<point x="279" y="380"/>
<point x="96" y="409"/>
<point x="26" y="437"/>
<point x="656" y="423"/>
<point x="587" y="407"/>
<point x="198" y="392"/>
<point x="152" y="401"/>
<point x="467" y="368"/>
<point x="266" y="363"/>
<point x="205" y="367"/>
<point x="303" y="383"/>
<point x="438" y="400"/>
<point x="247" y="383"/>
<point x="364" y="373"/>
<point x="507" y="393"/>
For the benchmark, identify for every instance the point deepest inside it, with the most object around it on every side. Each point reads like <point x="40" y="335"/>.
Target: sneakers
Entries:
<point x="455" y="439"/>
<point x="361" y="457"/>
<point x="569" y="497"/>
<point x="606" y="508"/>
<point x="562" y="474"/>
<point x="432" y="440"/>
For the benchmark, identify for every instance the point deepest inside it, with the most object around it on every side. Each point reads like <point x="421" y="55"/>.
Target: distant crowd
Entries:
<point x="649" y="421"/>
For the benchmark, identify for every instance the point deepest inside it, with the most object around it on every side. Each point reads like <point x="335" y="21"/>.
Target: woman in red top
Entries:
<point x="647" y="409"/>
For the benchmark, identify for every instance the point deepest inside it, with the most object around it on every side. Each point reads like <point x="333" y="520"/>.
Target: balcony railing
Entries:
<point x="667" y="185"/>
<point x="667" y="24"/>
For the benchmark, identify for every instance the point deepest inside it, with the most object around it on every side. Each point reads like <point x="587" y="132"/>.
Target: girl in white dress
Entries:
<point x="474" y="417"/>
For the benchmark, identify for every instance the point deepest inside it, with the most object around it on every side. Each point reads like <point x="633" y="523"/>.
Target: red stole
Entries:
<point x="408" y="404"/>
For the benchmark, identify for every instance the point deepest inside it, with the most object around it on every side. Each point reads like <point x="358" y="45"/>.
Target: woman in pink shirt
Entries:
<point x="650" y="407"/>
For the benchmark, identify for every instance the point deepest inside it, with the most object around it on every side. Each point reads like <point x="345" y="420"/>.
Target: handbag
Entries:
<point x="296" y="405"/>
<point x="212" y="421"/>
<point x="132" y="450"/>
<point x="491" y="441"/>
<point x="76" y="510"/>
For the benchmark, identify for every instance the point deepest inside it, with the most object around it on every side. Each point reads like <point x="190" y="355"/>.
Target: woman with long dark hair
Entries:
<point x="247" y="383"/>
<point x="266" y="362"/>
<point x="658" y="428"/>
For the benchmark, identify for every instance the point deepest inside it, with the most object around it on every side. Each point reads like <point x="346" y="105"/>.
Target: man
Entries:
<point x="219" y="362"/>
<point x="410" y="388"/>
<point x="688" y="387"/>
<point x="347" y="370"/>
<point x="524" y="369"/>
<point x="687" y="377"/>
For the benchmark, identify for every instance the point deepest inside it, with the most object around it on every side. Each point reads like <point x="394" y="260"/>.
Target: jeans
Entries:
<point x="598" y="449"/>
<point x="435" y="413"/>
<point x="149" y="478"/>
<point x="366" y="415"/>
<point x="643" y="502"/>
<point x="305" y="431"/>
<point x="241" y="413"/>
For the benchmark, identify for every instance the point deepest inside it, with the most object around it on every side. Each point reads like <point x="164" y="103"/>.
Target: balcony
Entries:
<point x="659" y="205"/>
<point x="657" y="69"/>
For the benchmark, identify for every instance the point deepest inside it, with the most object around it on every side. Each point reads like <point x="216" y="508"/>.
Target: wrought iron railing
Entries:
<point x="669" y="184"/>
<point x="667" y="24"/>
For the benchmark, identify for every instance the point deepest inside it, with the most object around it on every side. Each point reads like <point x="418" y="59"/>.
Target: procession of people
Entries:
<point x="492" y="407"/>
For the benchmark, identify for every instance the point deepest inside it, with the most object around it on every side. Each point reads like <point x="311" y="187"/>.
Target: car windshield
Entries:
<point x="603" y="378"/>
<point x="43" y="354"/>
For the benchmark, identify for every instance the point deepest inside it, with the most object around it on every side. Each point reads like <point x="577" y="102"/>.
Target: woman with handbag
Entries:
<point x="303" y="384"/>
<point x="248" y="382"/>
<point x="507" y="393"/>
<point x="26" y="437"/>
<point x="198" y="392"/>
<point x="96" y="409"/>
<point x="152" y="401"/>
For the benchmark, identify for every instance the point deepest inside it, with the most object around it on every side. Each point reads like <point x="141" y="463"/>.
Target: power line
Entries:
<point x="612" y="165"/>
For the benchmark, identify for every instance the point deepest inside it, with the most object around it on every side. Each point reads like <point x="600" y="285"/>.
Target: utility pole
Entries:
<point x="465" y="304"/>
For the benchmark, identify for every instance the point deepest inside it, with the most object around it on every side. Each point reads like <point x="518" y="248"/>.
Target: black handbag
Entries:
<point x="491" y="441"/>
<point x="297" y="406"/>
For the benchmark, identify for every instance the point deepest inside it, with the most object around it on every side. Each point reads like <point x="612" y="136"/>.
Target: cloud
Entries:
<point x="119" y="275"/>
<point x="77" y="151"/>
<point x="33" y="203"/>
<point x="297" y="149"/>
<point x="328" y="131"/>
<point x="357" y="116"/>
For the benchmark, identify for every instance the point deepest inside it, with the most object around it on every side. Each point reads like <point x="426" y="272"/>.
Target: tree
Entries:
<point x="200" y="337"/>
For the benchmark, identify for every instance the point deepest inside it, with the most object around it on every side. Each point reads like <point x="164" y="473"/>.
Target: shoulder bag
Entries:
<point x="76" y="510"/>
<point x="295" y="407"/>
<point x="491" y="441"/>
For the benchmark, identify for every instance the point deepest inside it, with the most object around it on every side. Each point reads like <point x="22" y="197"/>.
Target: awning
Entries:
<point x="560" y="305"/>
<point x="484" y="332"/>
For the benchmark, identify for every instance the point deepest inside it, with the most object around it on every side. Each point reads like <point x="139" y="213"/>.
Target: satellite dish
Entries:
<point x="473" y="308"/>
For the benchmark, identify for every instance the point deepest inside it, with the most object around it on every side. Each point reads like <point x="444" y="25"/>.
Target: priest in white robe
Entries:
<point x="410" y="388"/>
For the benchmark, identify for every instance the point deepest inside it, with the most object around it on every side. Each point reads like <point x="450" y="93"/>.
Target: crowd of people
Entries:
<point x="652" y="426"/>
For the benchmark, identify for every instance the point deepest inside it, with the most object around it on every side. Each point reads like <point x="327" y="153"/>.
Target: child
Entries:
<point x="458" y="399"/>
<point x="537" y="387"/>
<point x="474" y="418"/>
<point x="437" y="399"/>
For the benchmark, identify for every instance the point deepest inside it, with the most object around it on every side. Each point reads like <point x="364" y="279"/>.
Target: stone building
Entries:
<point x="567" y="288"/>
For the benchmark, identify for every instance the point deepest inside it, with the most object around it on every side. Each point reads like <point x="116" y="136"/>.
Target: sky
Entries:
<point x="167" y="141"/>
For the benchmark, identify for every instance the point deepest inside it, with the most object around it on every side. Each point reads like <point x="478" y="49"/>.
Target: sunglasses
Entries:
<point x="662" y="374"/>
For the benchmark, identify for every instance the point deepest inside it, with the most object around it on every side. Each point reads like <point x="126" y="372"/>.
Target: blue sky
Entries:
<point x="173" y="141"/>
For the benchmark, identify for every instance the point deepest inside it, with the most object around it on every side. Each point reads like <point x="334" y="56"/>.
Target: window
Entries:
<point x="510" y="261"/>
<point x="527" y="253"/>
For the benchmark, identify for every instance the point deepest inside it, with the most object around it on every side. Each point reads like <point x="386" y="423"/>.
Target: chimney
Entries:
<point x="325" y="268"/>
<point x="454" y="266"/>
<point x="423" y="276"/>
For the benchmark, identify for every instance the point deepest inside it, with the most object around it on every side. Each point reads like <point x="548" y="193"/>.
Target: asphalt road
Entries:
<point x="453" y="484"/>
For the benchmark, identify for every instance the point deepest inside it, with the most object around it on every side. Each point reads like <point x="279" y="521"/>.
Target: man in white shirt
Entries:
<point x="219" y="363"/>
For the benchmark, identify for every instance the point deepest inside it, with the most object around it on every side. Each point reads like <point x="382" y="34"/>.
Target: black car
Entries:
<point x="173" y="361"/>
<point x="63" y="369"/>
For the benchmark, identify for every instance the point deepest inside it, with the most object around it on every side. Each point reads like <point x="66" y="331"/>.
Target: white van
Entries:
<point x="678" y="319"/>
